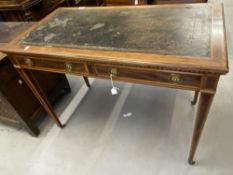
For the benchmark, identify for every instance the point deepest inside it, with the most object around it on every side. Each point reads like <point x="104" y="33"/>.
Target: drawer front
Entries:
<point x="55" y="66"/>
<point x="149" y="76"/>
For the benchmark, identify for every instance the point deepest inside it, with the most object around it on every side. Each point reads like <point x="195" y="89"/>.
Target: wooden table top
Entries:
<point x="17" y="4"/>
<point x="9" y="30"/>
<point x="182" y="36"/>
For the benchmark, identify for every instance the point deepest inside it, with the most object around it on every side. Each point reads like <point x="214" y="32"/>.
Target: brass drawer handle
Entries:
<point x="113" y="71"/>
<point x="175" y="78"/>
<point x="68" y="66"/>
<point x="28" y="62"/>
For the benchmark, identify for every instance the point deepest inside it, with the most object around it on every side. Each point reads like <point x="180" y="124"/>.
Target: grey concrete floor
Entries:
<point x="99" y="140"/>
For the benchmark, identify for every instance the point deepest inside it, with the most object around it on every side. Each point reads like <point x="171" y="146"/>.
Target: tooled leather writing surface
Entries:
<point x="183" y="31"/>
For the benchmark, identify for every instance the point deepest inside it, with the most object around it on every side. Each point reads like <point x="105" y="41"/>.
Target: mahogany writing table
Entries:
<point x="175" y="46"/>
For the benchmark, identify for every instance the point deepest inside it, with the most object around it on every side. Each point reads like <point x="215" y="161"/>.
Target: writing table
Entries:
<point x="175" y="46"/>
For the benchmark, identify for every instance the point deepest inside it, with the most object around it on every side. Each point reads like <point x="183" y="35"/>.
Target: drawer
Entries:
<point x="54" y="66"/>
<point x="148" y="76"/>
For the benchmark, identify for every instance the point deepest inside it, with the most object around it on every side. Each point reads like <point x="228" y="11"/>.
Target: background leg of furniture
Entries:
<point x="29" y="126"/>
<point x="194" y="101"/>
<point x="201" y="116"/>
<point x="38" y="92"/>
<point x="87" y="82"/>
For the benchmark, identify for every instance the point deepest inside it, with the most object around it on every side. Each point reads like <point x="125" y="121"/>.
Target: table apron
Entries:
<point x="127" y="72"/>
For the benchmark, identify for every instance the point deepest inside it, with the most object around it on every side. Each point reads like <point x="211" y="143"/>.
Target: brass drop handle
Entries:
<point x="68" y="66"/>
<point x="28" y="61"/>
<point x="175" y="78"/>
<point x="113" y="72"/>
